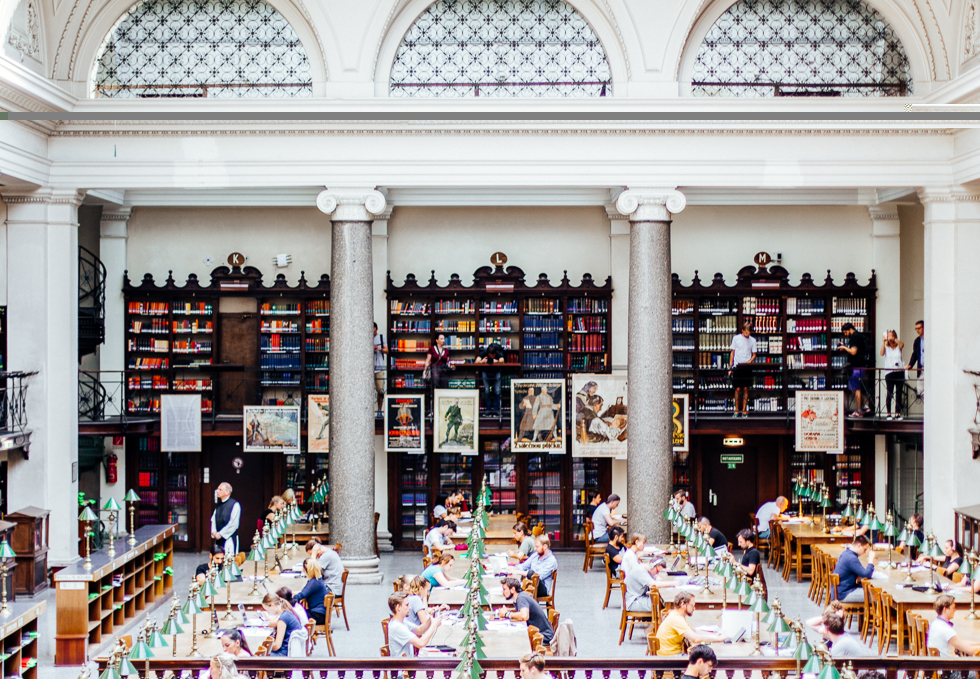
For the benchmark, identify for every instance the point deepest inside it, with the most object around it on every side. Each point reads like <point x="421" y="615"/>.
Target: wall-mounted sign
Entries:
<point x="762" y="258"/>
<point x="236" y="259"/>
<point x="498" y="259"/>
<point x="733" y="442"/>
<point x="732" y="459"/>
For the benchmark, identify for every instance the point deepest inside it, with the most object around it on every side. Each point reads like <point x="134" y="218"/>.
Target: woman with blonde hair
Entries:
<point x="419" y="614"/>
<point x="403" y="582"/>
<point x="289" y="497"/>
<point x="314" y="592"/>
<point x="631" y="557"/>
<point x="276" y="504"/>
<point x="282" y="621"/>
<point x="532" y="667"/>
<point x="223" y="667"/>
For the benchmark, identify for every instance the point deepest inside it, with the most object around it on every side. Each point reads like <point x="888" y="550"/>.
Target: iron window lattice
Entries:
<point x="203" y="48"/>
<point x="500" y="48"/>
<point x="769" y="48"/>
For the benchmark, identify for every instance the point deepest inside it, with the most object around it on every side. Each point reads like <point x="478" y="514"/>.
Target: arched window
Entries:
<point x="771" y="48"/>
<point x="500" y="48"/>
<point x="203" y="48"/>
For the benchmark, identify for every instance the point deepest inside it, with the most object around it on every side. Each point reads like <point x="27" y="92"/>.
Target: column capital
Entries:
<point x="351" y="204"/>
<point x="949" y="203"/>
<point x="884" y="220"/>
<point x="650" y="204"/>
<point x="114" y="222"/>
<point x="43" y="206"/>
<point x="44" y="196"/>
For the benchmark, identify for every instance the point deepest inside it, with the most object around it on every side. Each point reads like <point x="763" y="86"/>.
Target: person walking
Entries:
<point x="856" y="346"/>
<point x="380" y="366"/>
<point x="437" y="363"/>
<point x="225" y="519"/>
<point x="742" y="355"/>
<point x="891" y="349"/>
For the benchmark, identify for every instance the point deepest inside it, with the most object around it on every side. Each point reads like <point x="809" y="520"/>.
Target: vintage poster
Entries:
<point x="820" y="421"/>
<point x="456" y="423"/>
<point x="271" y="429"/>
<point x="318" y="425"/>
<point x="405" y="424"/>
<point x="537" y="416"/>
<point x="180" y="423"/>
<point x="681" y="424"/>
<point x="600" y="416"/>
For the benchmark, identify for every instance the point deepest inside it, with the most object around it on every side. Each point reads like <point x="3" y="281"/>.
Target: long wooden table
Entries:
<point x="455" y="598"/>
<point x="906" y="599"/>
<point x="967" y="630"/>
<point x="499" y="531"/>
<point x="501" y="640"/>
<point x="803" y="535"/>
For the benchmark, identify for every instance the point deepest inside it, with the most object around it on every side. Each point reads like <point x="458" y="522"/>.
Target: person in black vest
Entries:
<point x="224" y="521"/>
<point x="492" y="353"/>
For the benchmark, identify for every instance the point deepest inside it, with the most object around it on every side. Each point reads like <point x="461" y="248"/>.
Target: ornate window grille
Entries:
<point x="772" y="48"/>
<point x="203" y="48"/>
<point x="500" y="48"/>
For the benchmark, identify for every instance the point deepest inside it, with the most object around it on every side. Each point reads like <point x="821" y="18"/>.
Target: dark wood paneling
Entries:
<point x="238" y="346"/>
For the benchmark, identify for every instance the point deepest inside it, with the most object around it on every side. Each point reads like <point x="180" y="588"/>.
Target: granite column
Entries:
<point x="352" y="395"/>
<point x="649" y="451"/>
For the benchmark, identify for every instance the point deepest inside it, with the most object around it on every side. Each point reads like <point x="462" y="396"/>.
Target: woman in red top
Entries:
<point x="438" y="361"/>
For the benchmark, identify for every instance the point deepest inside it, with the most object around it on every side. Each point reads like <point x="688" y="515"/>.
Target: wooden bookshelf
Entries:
<point x="93" y="603"/>
<point x="18" y="639"/>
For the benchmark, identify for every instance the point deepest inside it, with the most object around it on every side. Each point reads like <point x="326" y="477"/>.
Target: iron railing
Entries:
<point x="91" y="302"/>
<point x="13" y="401"/>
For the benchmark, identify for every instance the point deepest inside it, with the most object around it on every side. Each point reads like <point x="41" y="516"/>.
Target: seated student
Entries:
<point x="843" y="645"/>
<point x="438" y="536"/>
<point x="615" y="550"/>
<point x="438" y="573"/>
<point x="603" y="520"/>
<point x="524" y="540"/>
<point x="216" y="560"/>
<point x="419" y="614"/>
<point x="330" y="565"/>
<point x="639" y="582"/>
<point x="402" y="582"/>
<point x="532" y="666"/>
<point x="675" y="628"/>
<point x="283" y="621"/>
<point x="701" y="661"/>
<point x="942" y="635"/>
<point x="222" y="667"/>
<point x="714" y="536"/>
<point x="276" y="504"/>
<point x="768" y="512"/>
<point x="954" y="558"/>
<point x="751" y="559"/>
<point x="631" y="556"/>
<point x="454" y="503"/>
<point x="286" y="594"/>
<point x="816" y="622"/>
<point x="233" y="642"/>
<point x="916" y="521"/>
<point x="526" y="608"/>
<point x="683" y="504"/>
<point x="402" y="639"/>
<point x="313" y="592"/>
<point x="439" y="511"/>
<point x="851" y="572"/>
<point x="543" y="562"/>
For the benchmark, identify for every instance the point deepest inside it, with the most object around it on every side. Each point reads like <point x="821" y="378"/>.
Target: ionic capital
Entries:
<point x="650" y="204"/>
<point x="351" y="205"/>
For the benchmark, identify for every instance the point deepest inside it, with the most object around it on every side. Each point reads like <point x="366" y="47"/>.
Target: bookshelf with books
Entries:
<point x="167" y="485"/>
<point x="796" y="328"/>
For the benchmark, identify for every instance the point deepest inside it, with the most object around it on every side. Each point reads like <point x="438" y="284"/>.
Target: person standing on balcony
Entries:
<point x="743" y="354"/>
<point x="891" y="349"/>
<point x="856" y="346"/>
<point x="917" y="360"/>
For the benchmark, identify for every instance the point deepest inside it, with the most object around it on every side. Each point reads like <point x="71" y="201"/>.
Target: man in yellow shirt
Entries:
<point x="675" y="628"/>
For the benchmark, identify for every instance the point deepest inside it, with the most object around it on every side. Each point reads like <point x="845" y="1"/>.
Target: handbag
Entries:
<point x="427" y="374"/>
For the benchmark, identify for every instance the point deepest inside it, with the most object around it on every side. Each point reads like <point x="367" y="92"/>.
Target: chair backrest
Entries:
<point x="328" y="605"/>
<point x="587" y="527"/>
<point x="775" y="536"/>
<point x="425" y="551"/>
<point x="956" y="577"/>
<point x="384" y="628"/>
<point x="553" y="617"/>
<point x="385" y="651"/>
<point x="754" y="522"/>
<point x="922" y="634"/>
<point x="537" y="530"/>
<point x="397" y="585"/>
<point x="530" y="586"/>
<point x="914" y="629"/>
<point x="834" y="583"/>
<point x="653" y="643"/>
<point x="343" y="590"/>
<point x="265" y="647"/>
<point x="240" y="559"/>
<point x="610" y="580"/>
<point x="337" y="547"/>
<point x="426" y="562"/>
<point x="310" y="635"/>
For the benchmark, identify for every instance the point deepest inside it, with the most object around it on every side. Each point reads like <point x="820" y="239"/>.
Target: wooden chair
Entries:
<point x="265" y="647"/>
<point x="531" y="631"/>
<point x="549" y="600"/>
<point x="813" y="594"/>
<point x="956" y="577"/>
<point x="310" y="636"/>
<point x="531" y="584"/>
<point x="538" y="530"/>
<point x="847" y="610"/>
<point x="630" y="618"/>
<point x="610" y="581"/>
<point x="339" y="601"/>
<point x="653" y="643"/>
<point x="384" y="628"/>
<point x="787" y="556"/>
<point x="889" y="622"/>
<point x="867" y="623"/>
<point x="324" y="629"/>
<point x="592" y="550"/>
<point x="337" y="547"/>
<point x="553" y="617"/>
<point x="874" y="612"/>
<point x="775" y="545"/>
<point x="760" y="543"/>
<point x="240" y="559"/>
<point x="914" y="647"/>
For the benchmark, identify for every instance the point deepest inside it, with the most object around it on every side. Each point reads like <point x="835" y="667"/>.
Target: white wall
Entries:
<point x="913" y="271"/>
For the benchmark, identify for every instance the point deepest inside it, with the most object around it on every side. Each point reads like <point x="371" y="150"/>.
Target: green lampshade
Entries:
<point x="813" y="665"/>
<point x="668" y="513"/>
<point x="87" y="515"/>
<point x="131" y="496"/>
<point x="936" y="552"/>
<point x="5" y="551"/>
<point x="826" y="502"/>
<point x="181" y="617"/>
<point x="744" y="589"/>
<point x="780" y="626"/>
<point x="218" y="580"/>
<point x="796" y="486"/>
<point x="191" y="607"/>
<point x="141" y="651"/>
<point x="266" y="542"/>
<point x="859" y="516"/>
<point x="848" y="512"/>
<point x="803" y="652"/>
<point x="110" y="672"/>
<point x="829" y="672"/>
<point x="257" y="554"/>
<point x="866" y="520"/>
<point x="232" y="571"/>
<point x="127" y="669"/>
<point x="111" y="505"/>
<point x="904" y="535"/>
<point x="876" y="524"/>
<point x="964" y="568"/>
<point x="890" y="530"/>
<point x="759" y="605"/>
<point x="751" y="599"/>
<point x="771" y="616"/>
<point x="731" y="583"/>
<point x="913" y="539"/>
<point x="727" y="570"/>
<point x="201" y="600"/>
<point x="208" y="589"/>
<point x="172" y="628"/>
<point x="156" y="640"/>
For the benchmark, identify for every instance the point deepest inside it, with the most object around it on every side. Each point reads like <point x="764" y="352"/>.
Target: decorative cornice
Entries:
<point x="71" y="197"/>
<point x="882" y="214"/>
<point x="947" y="195"/>
<point x="384" y="215"/>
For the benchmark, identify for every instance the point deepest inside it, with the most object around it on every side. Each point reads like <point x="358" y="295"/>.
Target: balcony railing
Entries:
<point x="14" y="430"/>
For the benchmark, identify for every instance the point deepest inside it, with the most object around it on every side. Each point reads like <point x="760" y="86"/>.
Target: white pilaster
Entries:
<point x="951" y="476"/>
<point x="42" y="313"/>
<point x="379" y="255"/>
<point x="619" y="267"/>
<point x="886" y="249"/>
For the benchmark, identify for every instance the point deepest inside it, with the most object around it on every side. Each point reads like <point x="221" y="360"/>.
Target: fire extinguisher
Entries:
<point x="111" y="468"/>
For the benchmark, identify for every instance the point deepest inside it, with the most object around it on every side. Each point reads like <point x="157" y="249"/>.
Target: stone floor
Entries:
<point x="579" y="598"/>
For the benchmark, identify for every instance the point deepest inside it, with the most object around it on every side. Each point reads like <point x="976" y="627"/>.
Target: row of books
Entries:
<point x="683" y="362"/>
<point x="462" y="383"/>
<point x="154" y="326"/>
<point x="709" y="361"/>
<point x="148" y="345"/>
<point x="765" y="323"/>
<point x="279" y="309"/>
<point x="152" y="405"/>
<point x="192" y="347"/>
<point x="766" y="405"/>
<point x="806" y="361"/>
<point x="454" y="306"/>
<point x="504" y="342"/>
<point x="717" y="306"/>
<point x="411" y="345"/>
<point x="281" y="379"/>
<point x="498" y="308"/>
<point x="194" y="327"/>
<point x="807" y="343"/>
<point x="192" y="385"/>
<point x="760" y="306"/>
<point x="407" y="363"/>
<point x="318" y="326"/>
<point x="767" y="382"/>
<point x="148" y="382"/>
<point x="714" y="342"/>
<point x="805" y="306"/>
<point x="409" y="308"/>
<point x="318" y="382"/>
<point x="460" y="343"/>
<point x="592" y="363"/>
<point x="280" y="361"/>
<point x="541" y="306"/>
<point x="280" y="326"/>
<point x="410" y="382"/>
<point x="719" y="324"/>
<point x="542" y="324"/>
<point x="682" y="325"/>
<point x="682" y="344"/>
<point x="420" y="327"/>
<point x="149" y="308"/>
<point x="802" y="325"/>
<point x="682" y="383"/>
<point x="539" y="359"/>
<point x="280" y="343"/>
<point x="769" y="345"/>
<point x="588" y="305"/>
<point x="837" y="323"/>
<point x="318" y="344"/>
<point x="851" y="306"/>
<point x="543" y="341"/>
<point x="319" y="307"/>
<point x="177" y="497"/>
<point x="587" y="324"/>
<point x="148" y="363"/>
<point x="412" y="499"/>
<point x="587" y="343"/>
<point x="495" y="326"/>
<point x="680" y="307"/>
<point x="454" y="326"/>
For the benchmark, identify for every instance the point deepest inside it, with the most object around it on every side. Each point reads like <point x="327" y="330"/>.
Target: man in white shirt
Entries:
<point x="942" y="635"/>
<point x="683" y="504"/>
<point x="439" y="537"/>
<point x="603" y="520"/>
<point x="743" y="353"/>
<point x="843" y="645"/>
<point x="768" y="512"/>
<point x="224" y="520"/>
<point x="402" y="640"/>
<point x="638" y="583"/>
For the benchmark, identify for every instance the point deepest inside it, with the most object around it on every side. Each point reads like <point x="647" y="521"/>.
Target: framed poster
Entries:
<point x="456" y="421"/>
<point x="271" y="429"/>
<point x="318" y="425"/>
<point x="680" y="419"/>
<point x="537" y="416"/>
<point x="601" y="417"/>
<point x="820" y="421"/>
<point x="180" y="423"/>
<point x="405" y="424"/>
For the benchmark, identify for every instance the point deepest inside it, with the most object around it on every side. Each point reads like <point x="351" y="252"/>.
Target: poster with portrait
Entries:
<point x="820" y="421"/>
<point x="537" y="416"/>
<point x="271" y="429"/>
<point x="456" y="425"/>
<point x="405" y="424"/>
<point x="599" y="415"/>
<point x="680" y="422"/>
<point x="318" y="425"/>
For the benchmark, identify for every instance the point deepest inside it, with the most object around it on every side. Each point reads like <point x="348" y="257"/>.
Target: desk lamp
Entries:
<point x="848" y="512"/>
<point x="890" y="532"/>
<point x="141" y="651"/>
<point x="231" y="574"/>
<point x="758" y="607"/>
<point x="911" y="541"/>
<point x="970" y="558"/>
<point x="803" y="651"/>
<point x="778" y="625"/>
<point x="257" y="554"/>
<point x="112" y="507"/>
<point x="192" y="609"/>
<point x="935" y="554"/>
<point x="859" y="513"/>
<point x="209" y="591"/>
<point x="88" y="516"/>
<point x="825" y="504"/>
<point x="132" y="497"/>
<point x="744" y="591"/>
<point x="172" y="626"/>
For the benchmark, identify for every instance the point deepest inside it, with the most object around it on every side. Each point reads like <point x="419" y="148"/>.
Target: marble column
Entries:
<point x="42" y="325"/>
<point x="352" y="395"/>
<point x="951" y="475"/>
<point x="649" y="452"/>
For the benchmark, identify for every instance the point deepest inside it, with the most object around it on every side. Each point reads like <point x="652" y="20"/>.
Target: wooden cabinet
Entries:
<point x="31" y="537"/>
<point x="18" y="640"/>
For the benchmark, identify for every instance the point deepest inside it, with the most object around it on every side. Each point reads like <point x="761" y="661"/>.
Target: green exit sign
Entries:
<point x="732" y="459"/>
